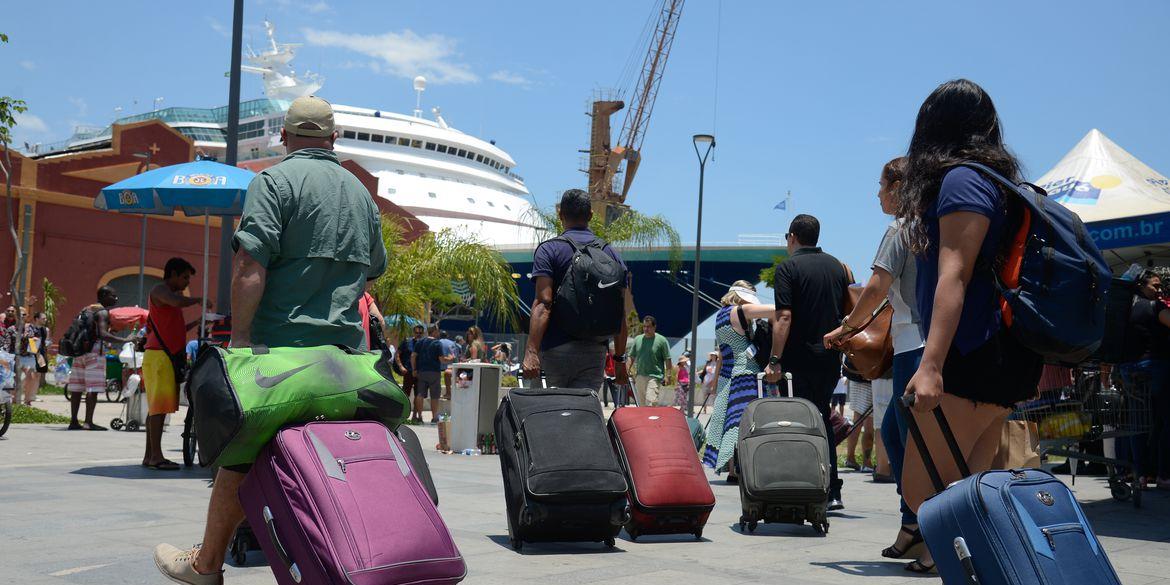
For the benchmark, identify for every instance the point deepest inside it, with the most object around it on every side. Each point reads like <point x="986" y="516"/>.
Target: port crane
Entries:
<point x="609" y="159"/>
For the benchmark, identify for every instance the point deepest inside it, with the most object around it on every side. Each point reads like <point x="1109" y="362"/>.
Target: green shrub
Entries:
<point x="28" y="415"/>
<point x="510" y="382"/>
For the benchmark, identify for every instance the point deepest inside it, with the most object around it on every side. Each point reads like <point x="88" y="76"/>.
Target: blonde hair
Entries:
<point x="733" y="298"/>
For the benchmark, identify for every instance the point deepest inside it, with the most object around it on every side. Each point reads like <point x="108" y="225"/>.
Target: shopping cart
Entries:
<point x="1093" y="409"/>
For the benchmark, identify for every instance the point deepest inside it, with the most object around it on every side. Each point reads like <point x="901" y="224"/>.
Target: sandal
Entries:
<point x="893" y="552"/>
<point x="921" y="567"/>
<point x="164" y="465"/>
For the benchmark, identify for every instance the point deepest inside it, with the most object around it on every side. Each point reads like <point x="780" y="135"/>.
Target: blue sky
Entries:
<point x="813" y="97"/>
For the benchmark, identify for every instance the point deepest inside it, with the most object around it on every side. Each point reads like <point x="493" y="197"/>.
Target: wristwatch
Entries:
<point x="773" y="360"/>
<point x="621" y="359"/>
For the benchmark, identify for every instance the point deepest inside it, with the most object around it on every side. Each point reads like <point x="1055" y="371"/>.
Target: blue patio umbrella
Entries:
<point x="202" y="187"/>
<point x="196" y="188"/>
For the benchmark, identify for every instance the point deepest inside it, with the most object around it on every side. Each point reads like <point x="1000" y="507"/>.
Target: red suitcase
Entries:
<point x="669" y="493"/>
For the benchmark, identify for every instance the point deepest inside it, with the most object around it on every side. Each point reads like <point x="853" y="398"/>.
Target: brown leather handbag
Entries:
<point x="871" y="348"/>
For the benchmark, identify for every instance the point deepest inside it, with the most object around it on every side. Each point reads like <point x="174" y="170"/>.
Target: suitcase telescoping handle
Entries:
<point x="905" y="403"/>
<point x="281" y="552"/>
<point x="787" y="377"/>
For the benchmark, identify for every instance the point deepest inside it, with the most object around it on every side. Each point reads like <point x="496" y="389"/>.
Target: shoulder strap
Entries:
<point x="150" y="324"/>
<point x="743" y="322"/>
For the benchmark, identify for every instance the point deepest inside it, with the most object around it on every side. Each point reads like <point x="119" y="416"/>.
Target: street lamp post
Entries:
<point x="709" y="141"/>
<point x="142" y="253"/>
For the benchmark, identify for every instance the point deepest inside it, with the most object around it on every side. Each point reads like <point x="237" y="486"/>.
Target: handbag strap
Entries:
<point x="874" y="315"/>
<point x="150" y="324"/>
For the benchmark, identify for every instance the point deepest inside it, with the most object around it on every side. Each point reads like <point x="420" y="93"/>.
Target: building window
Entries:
<point x="416" y="144"/>
<point x="470" y="156"/>
<point x="479" y="158"/>
<point x="508" y="207"/>
<point x="430" y="146"/>
<point x="443" y="148"/>
<point x="432" y="196"/>
<point x="403" y="142"/>
<point x="490" y="204"/>
<point x="470" y="200"/>
<point x="348" y="134"/>
<point x="389" y="140"/>
<point x="364" y="136"/>
<point x="461" y="152"/>
<point x="376" y="138"/>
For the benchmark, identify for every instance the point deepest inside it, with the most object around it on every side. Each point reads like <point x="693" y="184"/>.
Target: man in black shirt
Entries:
<point x="810" y="293"/>
<point x="403" y="363"/>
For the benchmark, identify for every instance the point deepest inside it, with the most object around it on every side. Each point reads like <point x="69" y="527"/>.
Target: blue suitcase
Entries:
<point x="1007" y="527"/>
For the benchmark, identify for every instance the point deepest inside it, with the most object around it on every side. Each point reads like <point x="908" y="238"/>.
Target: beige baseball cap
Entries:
<point x="309" y="116"/>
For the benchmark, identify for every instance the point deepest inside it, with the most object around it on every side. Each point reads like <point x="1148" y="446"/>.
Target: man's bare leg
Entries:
<point x="418" y="406"/>
<point x="154" y="430"/>
<point x="224" y="515"/>
<point x="74" y="405"/>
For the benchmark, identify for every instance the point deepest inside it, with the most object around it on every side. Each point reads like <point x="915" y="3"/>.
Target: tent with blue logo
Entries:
<point x="1124" y="203"/>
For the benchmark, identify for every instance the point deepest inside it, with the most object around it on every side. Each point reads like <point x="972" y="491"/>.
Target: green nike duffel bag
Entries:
<point x="242" y="397"/>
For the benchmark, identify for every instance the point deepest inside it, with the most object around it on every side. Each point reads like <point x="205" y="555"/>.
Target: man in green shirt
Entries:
<point x="651" y="355"/>
<point x="309" y="242"/>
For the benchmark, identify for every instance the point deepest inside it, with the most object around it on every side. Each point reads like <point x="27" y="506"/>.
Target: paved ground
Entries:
<point x="77" y="508"/>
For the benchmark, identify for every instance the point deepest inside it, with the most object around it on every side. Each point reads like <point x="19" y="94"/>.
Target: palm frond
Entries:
<point x="632" y="229"/>
<point x="419" y="275"/>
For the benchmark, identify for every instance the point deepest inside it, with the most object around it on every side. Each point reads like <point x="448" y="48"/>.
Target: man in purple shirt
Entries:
<point x="569" y="362"/>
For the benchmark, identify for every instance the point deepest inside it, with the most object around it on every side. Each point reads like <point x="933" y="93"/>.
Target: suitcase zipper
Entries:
<point x="1051" y="532"/>
<point x="333" y="498"/>
<point x="976" y="497"/>
<point x="1018" y="523"/>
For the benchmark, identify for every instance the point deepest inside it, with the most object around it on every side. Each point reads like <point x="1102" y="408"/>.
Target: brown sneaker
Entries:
<point x="176" y="564"/>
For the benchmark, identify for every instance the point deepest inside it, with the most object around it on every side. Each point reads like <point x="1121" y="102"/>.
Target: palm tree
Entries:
<point x="419" y="276"/>
<point x="632" y="229"/>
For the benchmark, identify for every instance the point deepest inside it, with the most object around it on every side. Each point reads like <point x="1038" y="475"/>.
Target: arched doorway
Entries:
<point x="125" y="283"/>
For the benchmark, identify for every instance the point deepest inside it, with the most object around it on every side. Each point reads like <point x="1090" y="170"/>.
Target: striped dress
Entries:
<point x="736" y="388"/>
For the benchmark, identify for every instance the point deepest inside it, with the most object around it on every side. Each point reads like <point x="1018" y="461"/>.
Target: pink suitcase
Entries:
<point x="339" y="502"/>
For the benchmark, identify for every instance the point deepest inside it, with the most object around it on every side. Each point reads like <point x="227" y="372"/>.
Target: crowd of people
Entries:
<point x="297" y="282"/>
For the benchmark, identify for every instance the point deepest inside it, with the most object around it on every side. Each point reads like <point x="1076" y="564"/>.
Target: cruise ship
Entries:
<point x="444" y="177"/>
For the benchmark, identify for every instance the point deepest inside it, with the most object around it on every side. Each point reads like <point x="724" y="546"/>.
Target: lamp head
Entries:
<point x="704" y="139"/>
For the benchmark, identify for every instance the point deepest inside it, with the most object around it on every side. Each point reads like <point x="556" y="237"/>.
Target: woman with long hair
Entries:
<point x="894" y="277"/>
<point x="476" y="349"/>
<point x="737" y="374"/>
<point x="958" y="222"/>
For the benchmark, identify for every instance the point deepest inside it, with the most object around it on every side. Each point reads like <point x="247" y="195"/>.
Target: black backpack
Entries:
<point x="80" y="337"/>
<point x="590" y="301"/>
<point x="760" y="336"/>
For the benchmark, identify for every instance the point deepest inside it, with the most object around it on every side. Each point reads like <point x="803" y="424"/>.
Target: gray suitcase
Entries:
<point x="783" y="461"/>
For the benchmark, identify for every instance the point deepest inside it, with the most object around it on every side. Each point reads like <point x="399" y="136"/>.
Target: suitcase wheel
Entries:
<point x="699" y="534"/>
<point x="116" y="424"/>
<point x="752" y="526"/>
<point x="610" y="542"/>
<point x="132" y="426"/>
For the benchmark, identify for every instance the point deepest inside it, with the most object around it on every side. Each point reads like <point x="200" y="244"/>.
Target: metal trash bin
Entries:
<point x="475" y="396"/>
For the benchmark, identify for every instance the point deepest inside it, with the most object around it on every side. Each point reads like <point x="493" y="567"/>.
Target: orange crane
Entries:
<point x="606" y="159"/>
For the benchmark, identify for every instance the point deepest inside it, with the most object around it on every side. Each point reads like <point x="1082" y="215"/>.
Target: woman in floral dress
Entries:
<point x="737" y="372"/>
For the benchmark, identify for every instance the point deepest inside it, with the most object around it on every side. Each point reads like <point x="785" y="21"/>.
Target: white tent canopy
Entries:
<point x="1124" y="203"/>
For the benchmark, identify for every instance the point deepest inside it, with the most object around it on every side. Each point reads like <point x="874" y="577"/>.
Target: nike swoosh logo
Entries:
<point x="271" y="381"/>
<point x="607" y="285"/>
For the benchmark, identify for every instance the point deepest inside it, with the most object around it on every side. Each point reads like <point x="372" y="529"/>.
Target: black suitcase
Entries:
<point x="414" y="451"/>
<point x="562" y="481"/>
<point x="783" y="460"/>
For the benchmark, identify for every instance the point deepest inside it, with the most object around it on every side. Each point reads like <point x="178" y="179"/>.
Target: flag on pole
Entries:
<point x="783" y="205"/>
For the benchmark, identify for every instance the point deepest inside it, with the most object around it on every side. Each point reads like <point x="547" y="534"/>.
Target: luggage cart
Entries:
<point x="1091" y="410"/>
